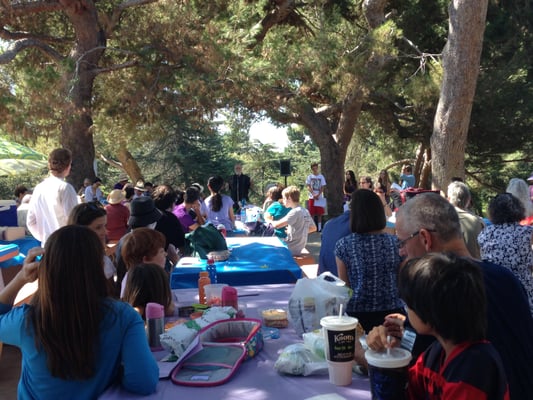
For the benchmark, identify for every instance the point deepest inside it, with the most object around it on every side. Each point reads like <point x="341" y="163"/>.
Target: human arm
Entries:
<point x="342" y="271"/>
<point x="27" y="274"/>
<point x="140" y="370"/>
<point x="280" y="223"/>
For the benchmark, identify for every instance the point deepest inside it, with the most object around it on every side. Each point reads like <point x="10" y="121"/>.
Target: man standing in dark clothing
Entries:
<point x="240" y="186"/>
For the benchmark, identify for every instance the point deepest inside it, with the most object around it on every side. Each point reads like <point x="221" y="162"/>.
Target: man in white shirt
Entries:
<point x="53" y="198"/>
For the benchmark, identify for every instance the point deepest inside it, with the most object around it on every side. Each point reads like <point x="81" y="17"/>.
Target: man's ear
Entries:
<point x="426" y="239"/>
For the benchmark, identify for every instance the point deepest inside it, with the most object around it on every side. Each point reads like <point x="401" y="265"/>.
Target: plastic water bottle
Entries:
<point x="243" y="215"/>
<point x="212" y="269"/>
<point x="155" y="321"/>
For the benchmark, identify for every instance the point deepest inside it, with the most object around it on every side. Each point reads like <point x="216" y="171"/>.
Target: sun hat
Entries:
<point x="530" y="178"/>
<point x="123" y="178"/>
<point x="143" y="212"/>
<point x="140" y="186"/>
<point x="116" y="196"/>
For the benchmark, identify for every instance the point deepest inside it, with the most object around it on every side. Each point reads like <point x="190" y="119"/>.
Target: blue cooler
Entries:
<point x="8" y="213"/>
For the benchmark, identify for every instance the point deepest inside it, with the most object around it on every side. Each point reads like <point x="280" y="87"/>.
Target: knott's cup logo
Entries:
<point x="342" y="337"/>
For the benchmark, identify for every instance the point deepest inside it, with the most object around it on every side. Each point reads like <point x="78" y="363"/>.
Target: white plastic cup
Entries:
<point x="340" y="337"/>
<point x="213" y="294"/>
<point x="388" y="373"/>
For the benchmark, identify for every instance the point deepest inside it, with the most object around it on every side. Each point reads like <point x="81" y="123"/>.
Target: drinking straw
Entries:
<point x="388" y="347"/>
<point x="340" y="311"/>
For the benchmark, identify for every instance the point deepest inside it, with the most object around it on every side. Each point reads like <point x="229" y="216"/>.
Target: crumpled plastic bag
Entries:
<point x="298" y="359"/>
<point x="316" y="342"/>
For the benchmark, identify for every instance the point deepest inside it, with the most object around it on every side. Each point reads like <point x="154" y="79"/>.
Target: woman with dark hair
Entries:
<point x="94" y="216"/>
<point x="169" y="225"/>
<point x="277" y="210"/>
<point x="366" y="183"/>
<point x="75" y="339"/>
<point x="148" y="283"/>
<point x="385" y="182"/>
<point x="219" y="206"/>
<point x="368" y="260"/>
<point x="350" y="185"/>
<point x="506" y="242"/>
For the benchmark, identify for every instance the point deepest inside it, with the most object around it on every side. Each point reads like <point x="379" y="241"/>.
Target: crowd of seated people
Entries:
<point x="149" y="232"/>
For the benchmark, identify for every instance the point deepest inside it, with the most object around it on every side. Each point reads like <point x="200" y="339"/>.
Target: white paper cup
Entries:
<point x="340" y="337"/>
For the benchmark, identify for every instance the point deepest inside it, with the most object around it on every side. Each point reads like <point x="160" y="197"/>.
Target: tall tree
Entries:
<point x="72" y="35"/>
<point x="461" y="60"/>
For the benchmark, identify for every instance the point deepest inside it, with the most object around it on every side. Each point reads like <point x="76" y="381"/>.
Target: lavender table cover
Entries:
<point x="256" y="378"/>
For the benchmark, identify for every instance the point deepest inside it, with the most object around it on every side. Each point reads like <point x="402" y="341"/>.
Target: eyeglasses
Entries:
<point x="402" y="243"/>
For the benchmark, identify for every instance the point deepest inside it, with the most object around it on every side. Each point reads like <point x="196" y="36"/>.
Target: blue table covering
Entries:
<point x="250" y="263"/>
<point x="24" y="245"/>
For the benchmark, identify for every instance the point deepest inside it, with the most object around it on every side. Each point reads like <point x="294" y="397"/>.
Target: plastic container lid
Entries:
<point x="397" y="358"/>
<point x="154" y="311"/>
<point x="342" y="323"/>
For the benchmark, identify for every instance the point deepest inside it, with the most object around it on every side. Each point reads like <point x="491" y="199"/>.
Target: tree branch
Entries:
<point x="17" y="9"/>
<point x="21" y="45"/>
<point x="109" y="22"/>
<point x="112" y="163"/>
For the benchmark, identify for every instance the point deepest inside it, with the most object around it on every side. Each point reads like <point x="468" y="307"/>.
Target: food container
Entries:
<point x="213" y="294"/>
<point x="275" y="317"/>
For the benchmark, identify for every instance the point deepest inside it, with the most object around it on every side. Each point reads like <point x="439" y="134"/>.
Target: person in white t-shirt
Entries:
<point x="53" y="198"/>
<point x="316" y="183"/>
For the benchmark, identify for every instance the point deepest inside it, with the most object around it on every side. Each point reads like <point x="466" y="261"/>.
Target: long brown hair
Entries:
<point x="147" y="283"/>
<point x="69" y="305"/>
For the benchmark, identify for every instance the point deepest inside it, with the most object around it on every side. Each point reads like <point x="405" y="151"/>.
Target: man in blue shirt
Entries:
<point x="333" y="230"/>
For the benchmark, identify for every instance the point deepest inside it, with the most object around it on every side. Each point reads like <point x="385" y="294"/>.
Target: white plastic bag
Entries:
<point x="313" y="299"/>
<point x="298" y="359"/>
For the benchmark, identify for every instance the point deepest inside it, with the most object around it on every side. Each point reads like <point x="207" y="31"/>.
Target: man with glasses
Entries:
<point x="429" y="223"/>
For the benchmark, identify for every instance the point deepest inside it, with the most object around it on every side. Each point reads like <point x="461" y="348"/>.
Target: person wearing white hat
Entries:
<point x="117" y="216"/>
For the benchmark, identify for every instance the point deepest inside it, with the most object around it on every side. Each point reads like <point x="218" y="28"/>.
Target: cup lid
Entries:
<point x="396" y="358"/>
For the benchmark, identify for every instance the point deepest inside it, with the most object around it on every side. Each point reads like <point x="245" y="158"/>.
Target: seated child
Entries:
<point x="445" y="298"/>
<point x="148" y="283"/>
<point x="142" y="245"/>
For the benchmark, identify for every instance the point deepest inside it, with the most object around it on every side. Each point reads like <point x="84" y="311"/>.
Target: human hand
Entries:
<point x="172" y="254"/>
<point x="392" y="327"/>
<point x="30" y="268"/>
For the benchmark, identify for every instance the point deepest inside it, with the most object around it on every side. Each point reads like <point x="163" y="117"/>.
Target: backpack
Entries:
<point x="203" y="240"/>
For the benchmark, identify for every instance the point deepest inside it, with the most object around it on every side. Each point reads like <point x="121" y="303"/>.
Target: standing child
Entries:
<point x="316" y="184"/>
<point x="445" y="298"/>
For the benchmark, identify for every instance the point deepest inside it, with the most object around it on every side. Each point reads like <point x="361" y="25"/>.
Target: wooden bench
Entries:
<point x="307" y="263"/>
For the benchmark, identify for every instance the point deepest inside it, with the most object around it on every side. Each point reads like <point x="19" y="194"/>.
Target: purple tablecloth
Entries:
<point x="256" y="378"/>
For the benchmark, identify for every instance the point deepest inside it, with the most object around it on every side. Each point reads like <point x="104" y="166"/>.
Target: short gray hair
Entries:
<point x="459" y="194"/>
<point x="433" y="212"/>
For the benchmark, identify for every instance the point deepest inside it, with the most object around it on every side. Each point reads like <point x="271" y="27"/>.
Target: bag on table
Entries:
<point x="312" y="299"/>
<point x="218" y="351"/>
<point x="205" y="239"/>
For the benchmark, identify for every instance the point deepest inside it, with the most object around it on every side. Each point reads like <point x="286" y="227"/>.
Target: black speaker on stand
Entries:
<point x="285" y="169"/>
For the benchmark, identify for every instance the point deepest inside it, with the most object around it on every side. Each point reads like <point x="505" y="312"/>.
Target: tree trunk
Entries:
<point x="129" y="164"/>
<point x="76" y="132"/>
<point x="460" y="61"/>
